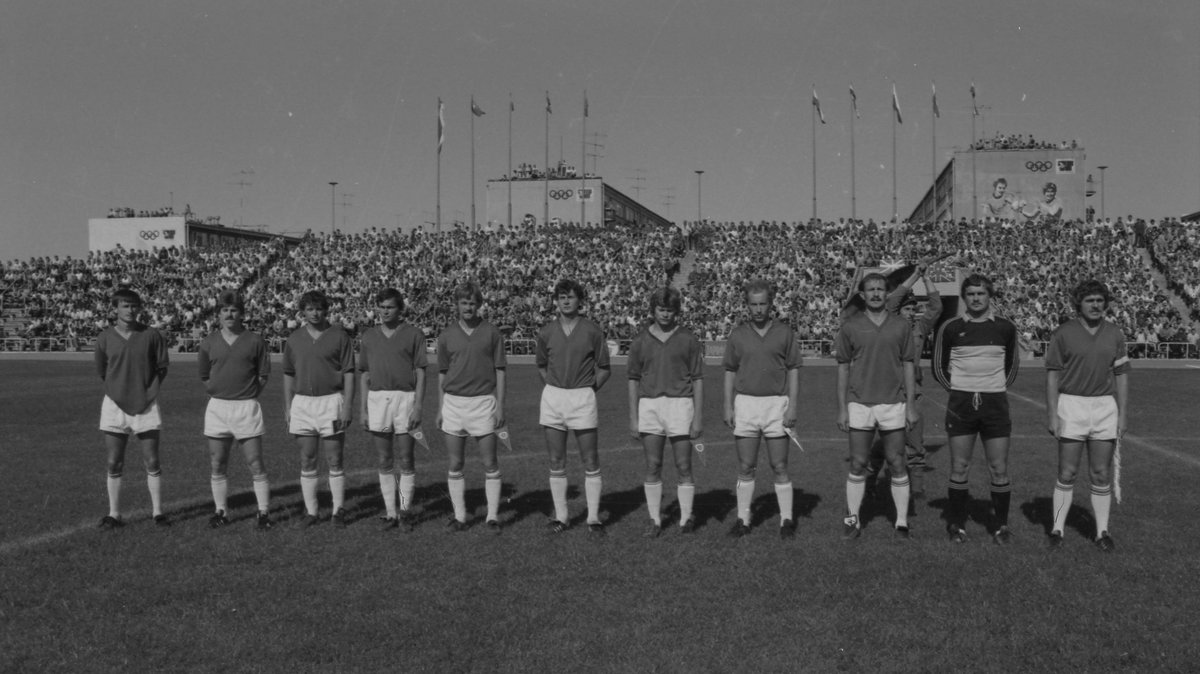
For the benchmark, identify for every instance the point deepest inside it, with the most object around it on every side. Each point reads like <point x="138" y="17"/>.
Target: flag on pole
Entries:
<point x="896" y="104"/>
<point x="548" y="110"/>
<point x="817" y="105"/>
<point x="854" y="102"/>
<point x="974" y="106"/>
<point x="441" y="125"/>
<point x="936" y="112"/>
<point x="475" y="109"/>
<point x="585" y="107"/>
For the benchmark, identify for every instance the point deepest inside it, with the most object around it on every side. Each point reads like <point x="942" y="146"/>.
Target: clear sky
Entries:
<point x="107" y="104"/>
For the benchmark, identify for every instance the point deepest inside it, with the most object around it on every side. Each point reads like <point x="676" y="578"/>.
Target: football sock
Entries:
<point x="262" y="492"/>
<point x="856" y="486"/>
<point x="558" y="492"/>
<point x="220" y="492"/>
<point x="154" y="484"/>
<point x="783" y="494"/>
<point x="1101" y="503"/>
<point x="957" y="496"/>
<point x="114" y="495"/>
<point x="337" y="489"/>
<point x="407" y="482"/>
<point x="1001" y="494"/>
<point x="654" y="500"/>
<point x="900" y="496"/>
<point x="745" y="493"/>
<point x="387" y="487"/>
<point x="458" y="495"/>
<point x="491" y="487"/>
<point x="592" y="486"/>
<point x="308" y="487"/>
<point x="1062" y="504"/>
<point x="686" y="493"/>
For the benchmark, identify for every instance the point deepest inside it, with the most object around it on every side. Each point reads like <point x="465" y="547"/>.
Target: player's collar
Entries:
<point x="989" y="316"/>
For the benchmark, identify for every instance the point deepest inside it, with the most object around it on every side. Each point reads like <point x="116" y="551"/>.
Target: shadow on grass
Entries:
<point x="1040" y="511"/>
<point x="766" y="506"/>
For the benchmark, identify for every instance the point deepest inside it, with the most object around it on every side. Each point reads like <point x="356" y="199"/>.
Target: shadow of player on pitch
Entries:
<point x="1041" y="511"/>
<point x="765" y="507"/>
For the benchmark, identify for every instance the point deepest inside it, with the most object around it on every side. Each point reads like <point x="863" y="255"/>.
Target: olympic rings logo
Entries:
<point x="562" y="194"/>
<point x="1039" y="166"/>
<point x="149" y="235"/>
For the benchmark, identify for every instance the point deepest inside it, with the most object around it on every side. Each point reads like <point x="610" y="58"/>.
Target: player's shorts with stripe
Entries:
<point x="1087" y="417"/>
<point x="473" y="416"/>
<point x="315" y="415"/>
<point x="754" y="415"/>
<point x="113" y="419"/>
<point x="569" y="408"/>
<point x="887" y="417"/>
<point x="968" y="413"/>
<point x="389" y="411"/>
<point x="671" y="417"/>
<point x="239" y="419"/>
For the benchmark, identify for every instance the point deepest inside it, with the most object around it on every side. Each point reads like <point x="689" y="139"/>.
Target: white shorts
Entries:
<point x="1087" y="417"/>
<point x="671" y="417"/>
<point x="754" y="415"/>
<point x="389" y="411"/>
<point x="113" y="419"/>
<point x="473" y="416"/>
<point x="569" y="408"/>
<point x="888" y="417"/>
<point x="240" y="419"/>
<point x="314" y="415"/>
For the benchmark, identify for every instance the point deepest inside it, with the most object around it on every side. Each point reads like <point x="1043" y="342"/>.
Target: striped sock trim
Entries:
<point x="962" y="486"/>
<point x="1102" y="490"/>
<point x="587" y="473"/>
<point x="856" y="479"/>
<point x="900" y="481"/>
<point x="1059" y="486"/>
<point x="491" y="476"/>
<point x="454" y="476"/>
<point x="157" y="473"/>
<point x="1002" y="488"/>
<point x="558" y="473"/>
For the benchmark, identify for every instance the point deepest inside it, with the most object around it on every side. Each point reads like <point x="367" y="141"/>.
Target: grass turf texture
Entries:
<point x="236" y="599"/>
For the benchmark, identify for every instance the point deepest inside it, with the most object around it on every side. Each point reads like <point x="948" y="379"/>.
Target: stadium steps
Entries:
<point x="1161" y="282"/>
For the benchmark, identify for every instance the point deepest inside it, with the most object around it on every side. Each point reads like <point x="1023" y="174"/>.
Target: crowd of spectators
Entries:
<point x="164" y="212"/>
<point x="1017" y="141"/>
<point x="560" y="171"/>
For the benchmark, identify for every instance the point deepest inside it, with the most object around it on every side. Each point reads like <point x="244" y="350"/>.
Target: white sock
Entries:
<point x="458" y="495"/>
<point x="387" y="487"/>
<point x="745" y="494"/>
<point x="262" y="493"/>
<point x="686" y="493"/>
<point x="592" y="486"/>
<point x="337" y="489"/>
<point x="1063" y="495"/>
<point x="654" y="500"/>
<point x="1101" y="504"/>
<point x="558" y="492"/>
<point x="901" y="491"/>
<point x="491" y="487"/>
<point x="154" y="484"/>
<point x="308" y="487"/>
<point x="783" y="494"/>
<point x="114" y="496"/>
<point x="220" y="492"/>
<point x="407" y="482"/>
<point x="856" y="486"/>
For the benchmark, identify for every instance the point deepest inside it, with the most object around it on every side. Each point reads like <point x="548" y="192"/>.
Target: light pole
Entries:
<point x="1101" y="192"/>
<point x="699" y="192"/>
<point x="332" y="207"/>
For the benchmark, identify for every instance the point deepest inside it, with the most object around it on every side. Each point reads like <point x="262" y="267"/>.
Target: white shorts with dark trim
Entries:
<point x="389" y="411"/>
<point x="671" y="417"/>
<point x="1087" y="417"/>
<point x="113" y="419"/>
<point x="239" y="419"/>
<point x="569" y="408"/>
<point x="885" y="417"/>
<point x="755" y="415"/>
<point x="315" y="415"/>
<point x="473" y="416"/>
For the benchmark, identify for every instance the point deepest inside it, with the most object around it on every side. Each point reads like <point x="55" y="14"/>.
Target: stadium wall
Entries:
<point x="136" y="233"/>
<point x="1026" y="172"/>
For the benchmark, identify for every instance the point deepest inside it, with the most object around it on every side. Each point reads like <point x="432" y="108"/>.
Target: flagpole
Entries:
<point x="474" y="220"/>
<point x="583" y="163"/>
<point x="974" y="192"/>
<point x="510" y="173"/>
<point x="546" y="174"/>
<point x="438" y="218"/>
<point x="853" y="190"/>
<point x="895" y="104"/>
<point x="933" y="159"/>
<point x="814" y="156"/>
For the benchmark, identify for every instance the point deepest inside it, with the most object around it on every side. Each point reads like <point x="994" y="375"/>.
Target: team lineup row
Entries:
<point x="975" y="359"/>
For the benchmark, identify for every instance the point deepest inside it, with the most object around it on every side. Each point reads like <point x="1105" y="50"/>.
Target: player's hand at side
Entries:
<point x="633" y="430"/>
<point x="362" y="415"/>
<point x="346" y="416"/>
<point x="1122" y="425"/>
<point x="498" y="417"/>
<point x="728" y="418"/>
<point x="912" y="416"/>
<point x="1052" y="424"/>
<point x="437" y="420"/>
<point x="697" y="427"/>
<point x="843" y="420"/>
<point x="414" y="418"/>
<point x="789" y="417"/>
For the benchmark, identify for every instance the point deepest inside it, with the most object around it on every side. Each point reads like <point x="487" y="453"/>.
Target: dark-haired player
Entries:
<point x="131" y="358"/>
<point x="666" y="394"/>
<point x="976" y="359"/>
<point x="234" y="366"/>
<point x="1087" y="398"/>
<point x="471" y="377"/>
<point x="572" y="358"/>
<point x="391" y="365"/>
<point x="762" y="392"/>
<point x="318" y="397"/>
<point x="875" y="392"/>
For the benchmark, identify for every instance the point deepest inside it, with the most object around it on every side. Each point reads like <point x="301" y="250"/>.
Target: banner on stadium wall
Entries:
<point x="136" y="233"/>
<point x="529" y="198"/>
<point x="1034" y="187"/>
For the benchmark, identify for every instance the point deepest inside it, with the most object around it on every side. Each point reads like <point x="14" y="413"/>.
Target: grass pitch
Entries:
<point x="192" y="599"/>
